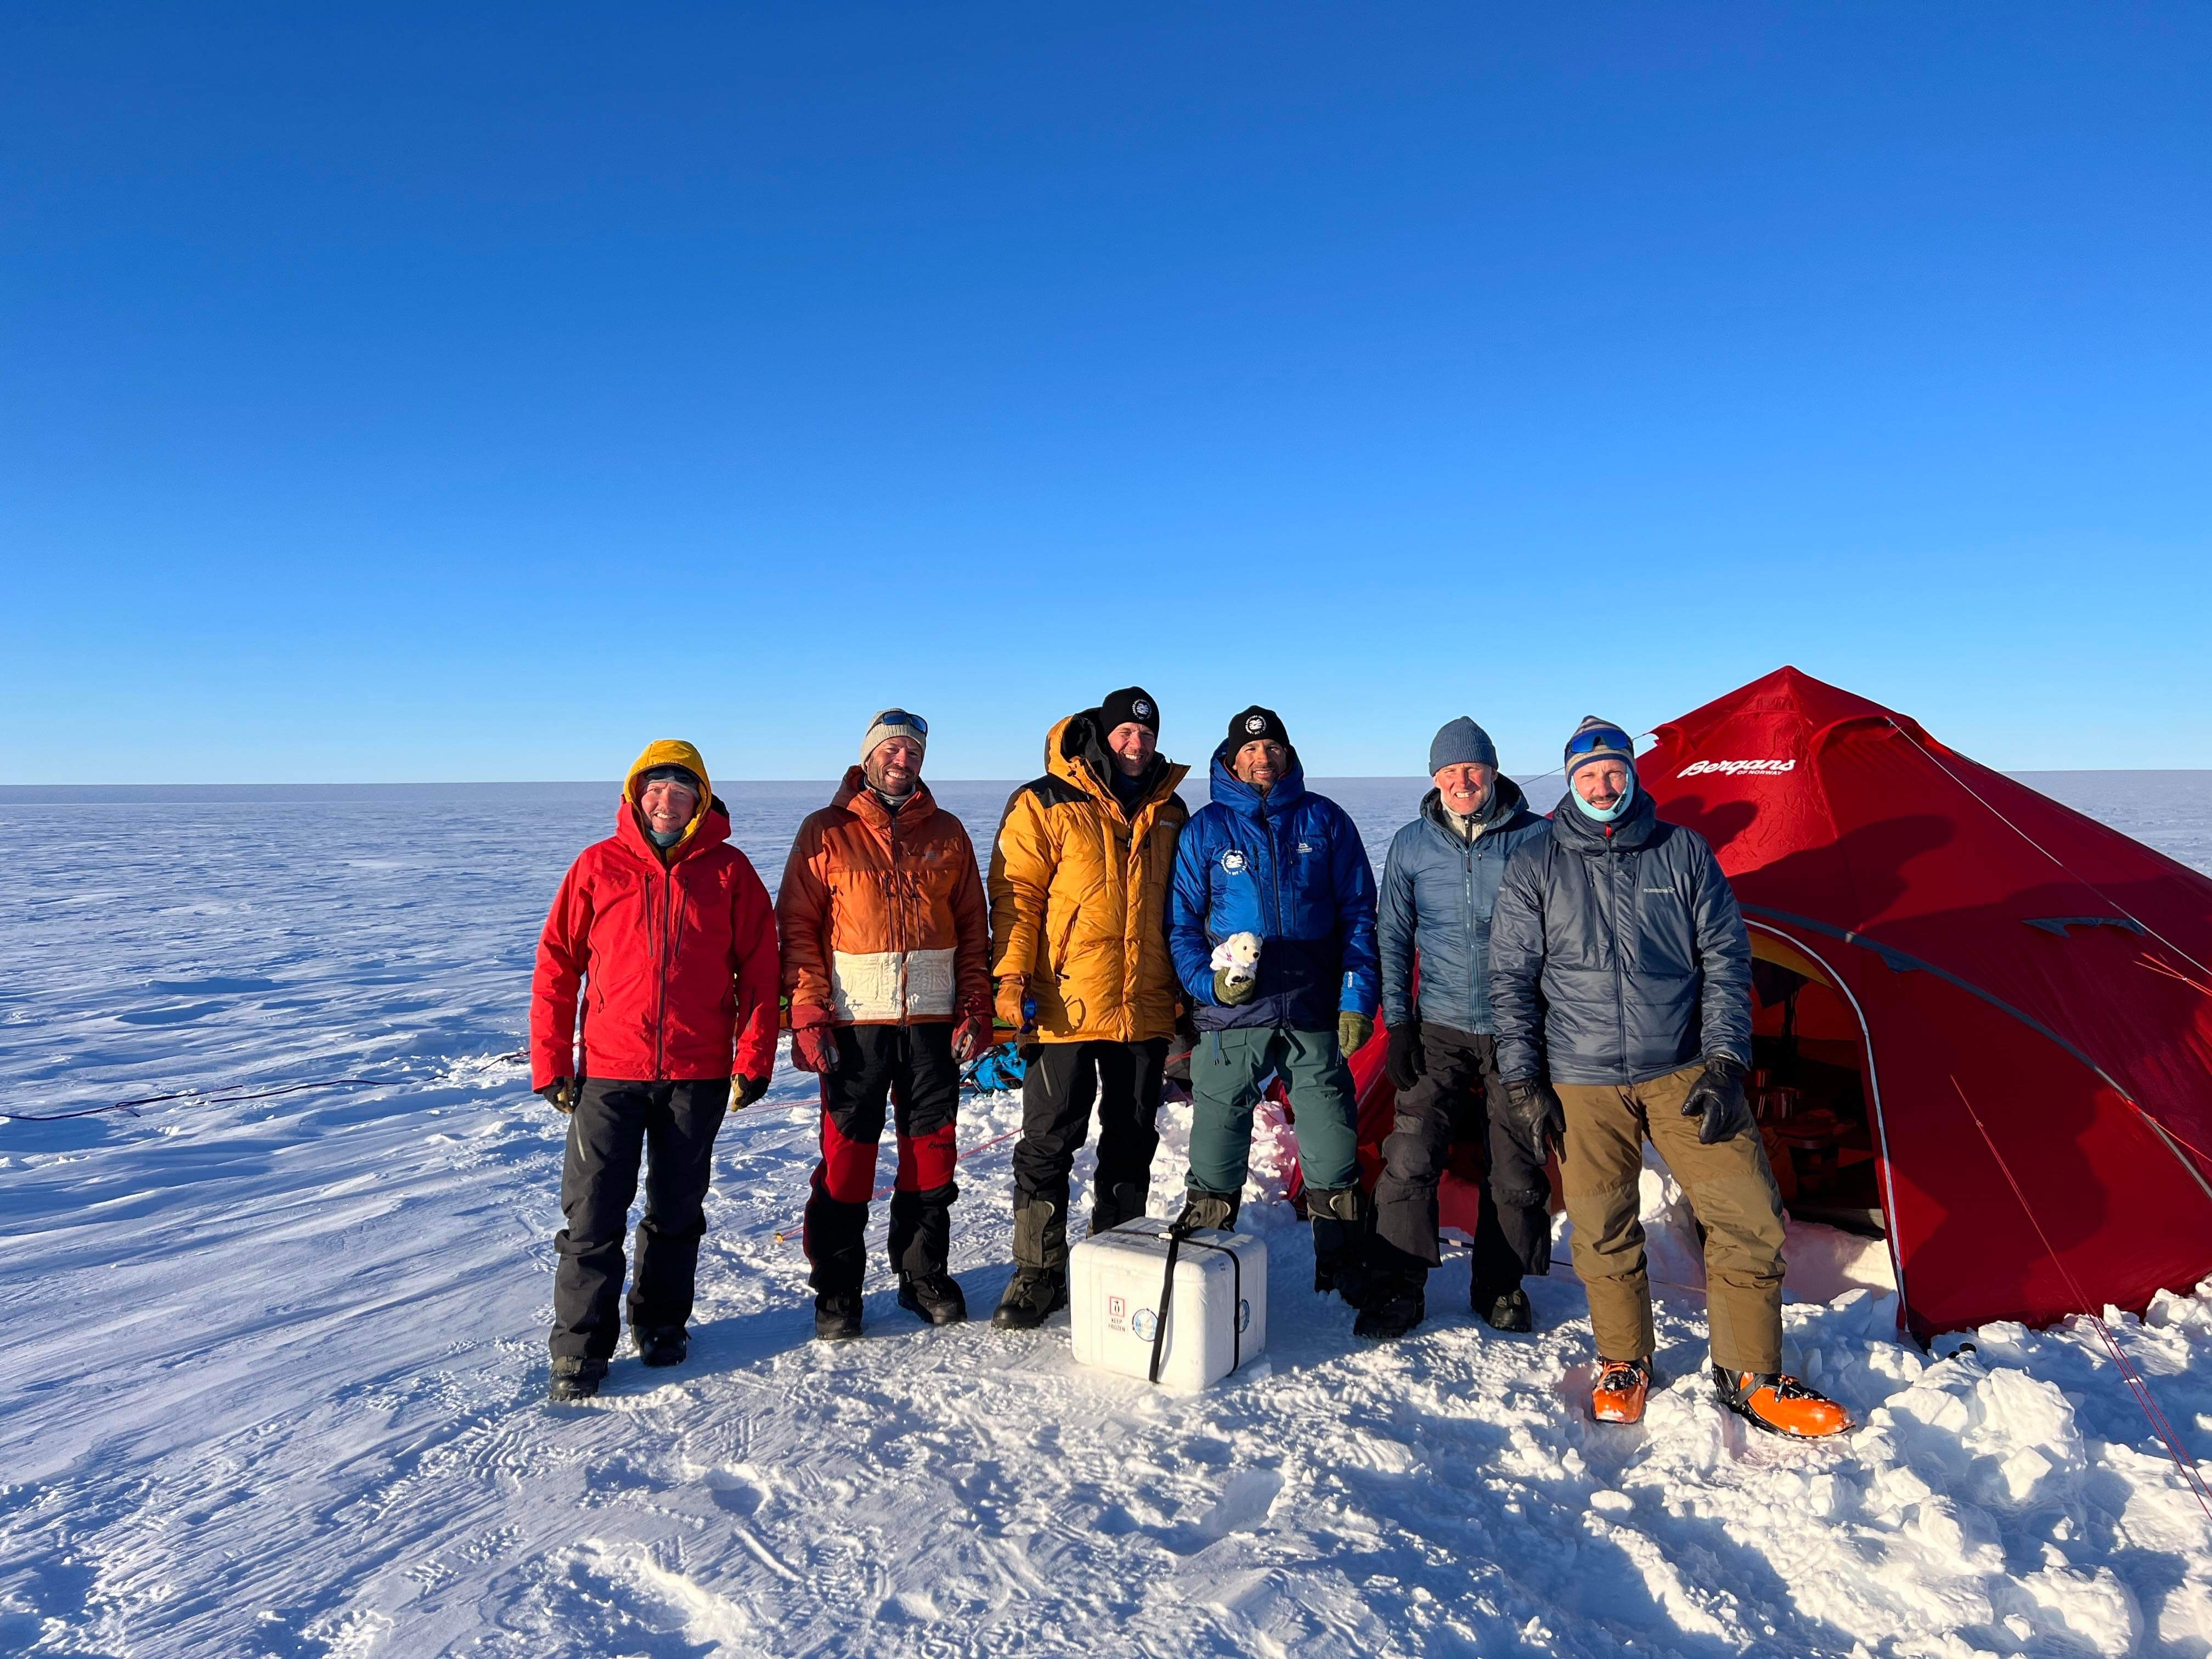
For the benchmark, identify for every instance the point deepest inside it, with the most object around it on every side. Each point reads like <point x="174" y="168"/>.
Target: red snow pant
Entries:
<point x="912" y="1068"/>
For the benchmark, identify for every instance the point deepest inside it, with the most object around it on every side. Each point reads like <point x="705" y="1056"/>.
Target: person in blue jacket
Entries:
<point x="1265" y="857"/>
<point x="1439" y="886"/>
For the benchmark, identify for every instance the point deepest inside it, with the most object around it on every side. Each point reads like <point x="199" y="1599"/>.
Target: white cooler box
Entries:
<point x="1217" y="1313"/>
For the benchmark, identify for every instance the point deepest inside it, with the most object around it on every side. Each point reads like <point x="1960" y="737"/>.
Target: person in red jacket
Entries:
<point x="666" y="929"/>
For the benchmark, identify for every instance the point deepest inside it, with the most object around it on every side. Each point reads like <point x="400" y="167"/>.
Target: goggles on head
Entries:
<point x="900" y="717"/>
<point x="1600" y="736"/>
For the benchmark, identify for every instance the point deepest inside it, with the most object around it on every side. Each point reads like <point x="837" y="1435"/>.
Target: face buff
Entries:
<point x="1607" y="814"/>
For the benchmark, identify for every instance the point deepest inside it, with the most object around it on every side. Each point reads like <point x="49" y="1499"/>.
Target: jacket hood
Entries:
<point x="1574" y="829"/>
<point x="856" y="798"/>
<point x="1225" y="787"/>
<point x="670" y="752"/>
<point x="1510" y="798"/>
<point x="1075" y="752"/>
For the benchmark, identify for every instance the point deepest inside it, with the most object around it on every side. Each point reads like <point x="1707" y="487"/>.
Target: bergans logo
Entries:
<point x="1737" y="768"/>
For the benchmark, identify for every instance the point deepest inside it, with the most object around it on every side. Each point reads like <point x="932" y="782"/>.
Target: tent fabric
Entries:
<point x="1999" y="949"/>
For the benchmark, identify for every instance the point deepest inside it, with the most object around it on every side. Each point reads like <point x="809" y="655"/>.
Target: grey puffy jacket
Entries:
<point x="1617" y="952"/>
<point x="1438" y="890"/>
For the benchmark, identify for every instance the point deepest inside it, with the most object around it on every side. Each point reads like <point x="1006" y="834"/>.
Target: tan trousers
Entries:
<point x="1731" y="1190"/>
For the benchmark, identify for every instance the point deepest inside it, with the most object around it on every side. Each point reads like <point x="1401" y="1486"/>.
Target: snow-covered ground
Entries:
<point x="274" y="1371"/>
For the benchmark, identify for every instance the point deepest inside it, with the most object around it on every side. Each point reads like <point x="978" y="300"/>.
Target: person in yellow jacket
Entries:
<point x="1078" y="884"/>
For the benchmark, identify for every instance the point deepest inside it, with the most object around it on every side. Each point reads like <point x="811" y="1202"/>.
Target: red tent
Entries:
<point x="1935" y="942"/>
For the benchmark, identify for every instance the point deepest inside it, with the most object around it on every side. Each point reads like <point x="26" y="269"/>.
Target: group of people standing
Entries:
<point x="1567" y="984"/>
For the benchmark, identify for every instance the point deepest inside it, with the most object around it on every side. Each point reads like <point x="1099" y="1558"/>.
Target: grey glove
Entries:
<point x="1717" y="1098"/>
<point x="1232" y="996"/>
<point x="744" y="1091"/>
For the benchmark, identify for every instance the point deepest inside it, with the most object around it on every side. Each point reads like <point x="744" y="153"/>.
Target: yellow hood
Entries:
<point x="671" y="752"/>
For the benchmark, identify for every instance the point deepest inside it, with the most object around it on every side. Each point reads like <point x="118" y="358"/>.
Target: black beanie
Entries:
<point x="682" y="774"/>
<point x="1131" y="706"/>
<point x="1254" y="723"/>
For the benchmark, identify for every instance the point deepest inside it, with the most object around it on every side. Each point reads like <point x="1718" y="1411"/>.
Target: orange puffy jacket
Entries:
<point x="883" y="915"/>
<point x="679" y="949"/>
<point x="1078" y="895"/>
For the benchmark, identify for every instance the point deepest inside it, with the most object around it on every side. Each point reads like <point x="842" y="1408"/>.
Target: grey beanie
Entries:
<point x="1461" y="743"/>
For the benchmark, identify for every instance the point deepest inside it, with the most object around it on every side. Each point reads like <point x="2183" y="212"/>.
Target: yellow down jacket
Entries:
<point x="1078" y="894"/>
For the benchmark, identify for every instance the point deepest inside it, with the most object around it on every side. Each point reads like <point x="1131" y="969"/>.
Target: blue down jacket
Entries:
<point x="1289" y="867"/>
<point x="1438" y="890"/>
<point x="1617" y="952"/>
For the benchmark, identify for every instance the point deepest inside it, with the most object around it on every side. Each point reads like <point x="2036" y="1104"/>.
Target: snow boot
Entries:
<point x="836" y="1315"/>
<point x="1204" y="1209"/>
<point x="936" y="1297"/>
<point x="668" y="1345"/>
<point x="574" y="1379"/>
<point x="1339" y="1233"/>
<point x="1779" y="1403"/>
<point x="1124" y="1201"/>
<point x="1621" y="1386"/>
<point x="1506" y="1311"/>
<point x="1033" y="1295"/>
<point x="1394" y="1305"/>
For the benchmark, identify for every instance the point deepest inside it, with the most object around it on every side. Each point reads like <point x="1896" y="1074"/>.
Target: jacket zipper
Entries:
<point x="899" y="916"/>
<point x="661" y="1020"/>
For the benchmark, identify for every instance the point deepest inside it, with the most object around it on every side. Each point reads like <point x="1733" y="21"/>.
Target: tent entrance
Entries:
<point x="1808" y="1088"/>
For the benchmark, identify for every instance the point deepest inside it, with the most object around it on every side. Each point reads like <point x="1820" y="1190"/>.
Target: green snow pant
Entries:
<point x="1228" y="1070"/>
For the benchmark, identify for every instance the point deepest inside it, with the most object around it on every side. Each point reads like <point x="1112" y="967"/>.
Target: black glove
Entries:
<point x="1717" y="1096"/>
<point x="1534" y="1116"/>
<point x="1404" y="1064"/>
<point x="560" y="1095"/>
<point x="744" y="1091"/>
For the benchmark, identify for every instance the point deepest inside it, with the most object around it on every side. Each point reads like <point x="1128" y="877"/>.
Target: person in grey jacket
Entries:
<point x="1620" y="979"/>
<point x="1439" y="884"/>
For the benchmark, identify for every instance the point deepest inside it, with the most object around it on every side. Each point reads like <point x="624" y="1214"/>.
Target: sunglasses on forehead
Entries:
<point x="900" y="717"/>
<point x="1600" y="736"/>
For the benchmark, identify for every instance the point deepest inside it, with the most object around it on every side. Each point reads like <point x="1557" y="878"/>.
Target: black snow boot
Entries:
<point x="935" y="1296"/>
<point x="1039" y="1281"/>
<point x="1396" y="1304"/>
<point x="1504" y="1310"/>
<point x="1124" y="1201"/>
<point x="836" y="1315"/>
<point x="1339" y="1231"/>
<point x="669" y="1345"/>
<point x="575" y="1379"/>
<point x="1032" y="1297"/>
<point x="1204" y="1209"/>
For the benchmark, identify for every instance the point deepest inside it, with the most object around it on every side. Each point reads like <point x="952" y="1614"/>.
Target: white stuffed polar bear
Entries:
<point x="1238" y="956"/>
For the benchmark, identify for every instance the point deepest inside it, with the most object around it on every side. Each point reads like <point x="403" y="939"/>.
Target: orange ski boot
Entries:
<point x="1779" y="1403"/>
<point x="1621" y="1386"/>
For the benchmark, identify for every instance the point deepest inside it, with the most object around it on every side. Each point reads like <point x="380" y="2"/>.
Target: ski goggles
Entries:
<point x="900" y="717"/>
<point x="1600" y="736"/>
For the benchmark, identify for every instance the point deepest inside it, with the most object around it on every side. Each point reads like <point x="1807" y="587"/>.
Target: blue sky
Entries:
<point x="393" y="394"/>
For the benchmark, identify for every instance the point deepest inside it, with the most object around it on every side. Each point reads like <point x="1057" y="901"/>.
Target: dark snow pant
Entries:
<point x="672" y="1125"/>
<point x="1229" y="1069"/>
<point x="911" y="1066"/>
<point x="1460" y="1097"/>
<point x="1062" y="1081"/>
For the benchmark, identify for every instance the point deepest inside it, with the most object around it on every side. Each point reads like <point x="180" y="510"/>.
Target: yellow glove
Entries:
<point x="1007" y="1006"/>
<point x="1352" y="1032"/>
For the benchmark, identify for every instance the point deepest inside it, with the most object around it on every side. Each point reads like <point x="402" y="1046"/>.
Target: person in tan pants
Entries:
<point x="1620" y="985"/>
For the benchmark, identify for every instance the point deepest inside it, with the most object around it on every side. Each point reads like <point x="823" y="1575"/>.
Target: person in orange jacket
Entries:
<point x="668" y="928"/>
<point x="886" y="964"/>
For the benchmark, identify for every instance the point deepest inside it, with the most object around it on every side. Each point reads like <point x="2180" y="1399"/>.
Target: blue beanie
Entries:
<point x="1461" y="743"/>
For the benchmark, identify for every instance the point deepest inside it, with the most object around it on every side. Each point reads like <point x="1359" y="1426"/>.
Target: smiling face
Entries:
<point x="667" y="805"/>
<point x="1465" y="789"/>
<point x="895" y="766"/>
<point x="1602" y="782"/>
<point x="1261" y="764"/>
<point x="1133" y="745"/>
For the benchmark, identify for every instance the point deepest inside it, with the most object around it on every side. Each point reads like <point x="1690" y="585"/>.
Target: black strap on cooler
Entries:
<point x="1176" y="1239"/>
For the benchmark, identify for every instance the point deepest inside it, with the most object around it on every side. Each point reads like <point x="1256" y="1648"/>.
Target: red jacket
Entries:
<point x="680" y="959"/>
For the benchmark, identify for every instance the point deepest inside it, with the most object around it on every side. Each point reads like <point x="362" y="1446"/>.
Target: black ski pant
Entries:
<point x="910" y="1068"/>
<point x="670" y="1125"/>
<point x="1460" y="1097"/>
<point x="1062" y="1082"/>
